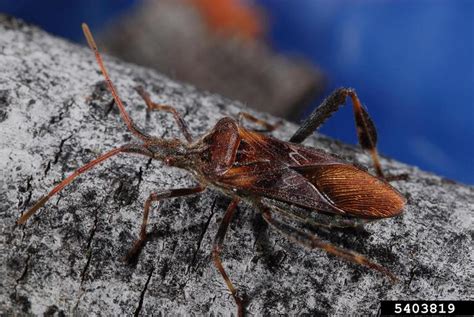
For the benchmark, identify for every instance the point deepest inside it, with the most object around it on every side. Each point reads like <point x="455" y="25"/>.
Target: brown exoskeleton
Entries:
<point x="297" y="182"/>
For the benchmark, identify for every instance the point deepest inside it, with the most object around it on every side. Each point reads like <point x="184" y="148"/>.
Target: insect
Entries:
<point x="276" y="177"/>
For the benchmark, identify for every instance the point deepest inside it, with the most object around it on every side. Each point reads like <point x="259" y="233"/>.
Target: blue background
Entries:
<point x="411" y="63"/>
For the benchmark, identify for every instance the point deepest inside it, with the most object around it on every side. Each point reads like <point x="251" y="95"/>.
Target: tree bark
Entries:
<point x="56" y="115"/>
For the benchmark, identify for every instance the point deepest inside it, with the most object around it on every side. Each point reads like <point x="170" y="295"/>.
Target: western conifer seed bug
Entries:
<point x="296" y="182"/>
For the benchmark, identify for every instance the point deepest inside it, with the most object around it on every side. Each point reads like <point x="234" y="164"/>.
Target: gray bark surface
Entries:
<point x="56" y="115"/>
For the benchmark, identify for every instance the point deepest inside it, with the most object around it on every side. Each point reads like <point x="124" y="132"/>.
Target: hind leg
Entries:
<point x="314" y="219"/>
<point x="313" y="242"/>
<point x="365" y="127"/>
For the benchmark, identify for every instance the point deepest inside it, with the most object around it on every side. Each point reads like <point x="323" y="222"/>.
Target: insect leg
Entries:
<point x="268" y="127"/>
<point x="217" y="249"/>
<point x="155" y="106"/>
<point x="366" y="131"/>
<point x="316" y="219"/>
<point x="128" y="121"/>
<point x="128" y="148"/>
<point x="313" y="242"/>
<point x="170" y="193"/>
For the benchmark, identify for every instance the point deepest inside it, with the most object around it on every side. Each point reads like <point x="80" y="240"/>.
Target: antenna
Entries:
<point x="128" y="121"/>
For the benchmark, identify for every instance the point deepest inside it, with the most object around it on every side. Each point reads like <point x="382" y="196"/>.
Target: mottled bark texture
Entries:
<point x="56" y="115"/>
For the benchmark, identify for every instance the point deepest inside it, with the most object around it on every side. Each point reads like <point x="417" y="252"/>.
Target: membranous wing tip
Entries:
<point x="354" y="191"/>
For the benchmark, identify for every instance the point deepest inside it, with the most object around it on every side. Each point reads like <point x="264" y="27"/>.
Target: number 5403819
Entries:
<point x="425" y="308"/>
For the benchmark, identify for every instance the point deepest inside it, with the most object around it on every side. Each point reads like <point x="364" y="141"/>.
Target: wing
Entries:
<point x="275" y="181"/>
<point x="309" y="178"/>
<point x="354" y="191"/>
<point x="256" y="146"/>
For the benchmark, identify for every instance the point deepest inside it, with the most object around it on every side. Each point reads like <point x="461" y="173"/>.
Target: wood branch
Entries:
<point x="56" y="115"/>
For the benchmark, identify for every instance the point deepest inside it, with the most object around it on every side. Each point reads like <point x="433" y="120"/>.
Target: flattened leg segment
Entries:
<point x="366" y="131"/>
<point x="313" y="242"/>
<point x="313" y="218"/>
